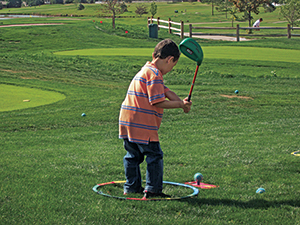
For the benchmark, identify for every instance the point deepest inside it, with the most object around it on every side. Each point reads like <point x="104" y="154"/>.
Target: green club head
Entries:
<point x="190" y="48"/>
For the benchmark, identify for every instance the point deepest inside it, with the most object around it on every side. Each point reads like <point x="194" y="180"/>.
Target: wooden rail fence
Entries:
<point x="237" y="29"/>
<point x="169" y="25"/>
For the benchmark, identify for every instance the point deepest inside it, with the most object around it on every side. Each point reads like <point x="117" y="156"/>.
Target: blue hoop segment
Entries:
<point x="195" y="192"/>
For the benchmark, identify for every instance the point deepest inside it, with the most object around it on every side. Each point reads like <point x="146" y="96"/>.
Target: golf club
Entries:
<point x="191" y="49"/>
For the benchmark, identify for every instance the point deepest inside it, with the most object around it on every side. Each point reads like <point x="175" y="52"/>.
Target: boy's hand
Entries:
<point x="186" y="105"/>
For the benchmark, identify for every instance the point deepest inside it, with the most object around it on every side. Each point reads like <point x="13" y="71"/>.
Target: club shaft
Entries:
<point x="193" y="83"/>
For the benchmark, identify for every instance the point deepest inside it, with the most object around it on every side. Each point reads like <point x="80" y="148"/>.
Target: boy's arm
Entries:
<point x="172" y="96"/>
<point x="174" y="102"/>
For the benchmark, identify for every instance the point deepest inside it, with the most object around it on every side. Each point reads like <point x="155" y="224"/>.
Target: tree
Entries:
<point x="115" y="7"/>
<point x="34" y="2"/>
<point x="14" y="4"/>
<point x="141" y="9"/>
<point x="80" y="7"/>
<point x="56" y="1"/>
<point x="269" y="7"/>
<point x="153" y="9"/>
<point x="124" y="7"/>
<point x="213" y="3"/>
<point x="225" y="6"/>
<point x="290" y="10"/>
<point x="250" y="6"/>
<point x="233" y="13"/>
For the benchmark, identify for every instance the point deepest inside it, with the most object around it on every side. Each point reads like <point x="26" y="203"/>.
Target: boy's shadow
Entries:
<point x="255" y="203"/>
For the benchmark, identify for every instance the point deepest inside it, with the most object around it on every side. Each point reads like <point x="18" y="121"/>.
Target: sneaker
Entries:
<point x="150" y="194"/>
<point x="141" y="191"/>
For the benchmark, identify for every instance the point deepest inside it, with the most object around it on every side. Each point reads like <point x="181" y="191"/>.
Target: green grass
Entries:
<point x="51" y="156"/>
<point x="195" y="12"/>
<point x="18" y="97"/>
<point x="192" y="12"/>
<point x="211" y="52"/>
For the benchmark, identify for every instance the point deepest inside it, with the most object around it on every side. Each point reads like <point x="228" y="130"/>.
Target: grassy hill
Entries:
<point x="195" y="12"/>
<point x="51" y="156"/>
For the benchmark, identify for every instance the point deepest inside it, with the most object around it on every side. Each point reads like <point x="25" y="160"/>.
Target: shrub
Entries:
<point x="80" y="7"/>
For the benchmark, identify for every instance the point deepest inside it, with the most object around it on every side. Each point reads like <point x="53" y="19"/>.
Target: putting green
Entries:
<point x="210" y="52"/>
<point x="16" y="97"/>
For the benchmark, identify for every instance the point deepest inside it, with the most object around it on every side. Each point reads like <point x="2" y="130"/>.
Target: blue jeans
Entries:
<point x="132" y="160"/>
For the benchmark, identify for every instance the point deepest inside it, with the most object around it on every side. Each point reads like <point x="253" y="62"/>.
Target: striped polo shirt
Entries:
<point x="139" y="119"/>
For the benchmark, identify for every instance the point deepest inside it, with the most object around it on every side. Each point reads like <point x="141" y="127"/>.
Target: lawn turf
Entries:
<point x="51" y="156"/>
<point x="210" y="52"/>
<point x="18" y="97"/>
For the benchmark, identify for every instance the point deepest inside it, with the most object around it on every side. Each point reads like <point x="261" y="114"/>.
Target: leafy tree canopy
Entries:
<point x="14" y="4"/>
<point x="250" y="6"/>
<point x="153" y="9"/>
<point x="290" y="10"/>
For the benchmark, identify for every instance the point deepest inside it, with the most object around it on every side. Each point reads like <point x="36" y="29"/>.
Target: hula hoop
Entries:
<point x="195" y="192"/>
<point x="296" y="153"/>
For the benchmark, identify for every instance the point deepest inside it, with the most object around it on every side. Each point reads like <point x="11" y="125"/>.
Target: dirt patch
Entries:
<point x="215" y="37"/>
<point x="11" y="71"/>
<point x="28" y="78"/>
<point x="237" y="96"/>
<point x="63" y="18"/>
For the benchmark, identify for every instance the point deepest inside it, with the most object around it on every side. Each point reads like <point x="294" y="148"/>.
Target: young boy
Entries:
<point x="140" y="118"/>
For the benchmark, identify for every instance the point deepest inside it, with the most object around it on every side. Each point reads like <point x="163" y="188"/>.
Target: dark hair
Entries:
<point x="166" y="48"/>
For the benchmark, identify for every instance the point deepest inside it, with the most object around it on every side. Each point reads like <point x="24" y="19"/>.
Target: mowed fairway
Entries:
<point x="16" y="97"/>
<point x="210" y="52"/>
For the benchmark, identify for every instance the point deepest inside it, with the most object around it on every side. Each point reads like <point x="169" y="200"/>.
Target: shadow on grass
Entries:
<point x="255" y="204"/>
